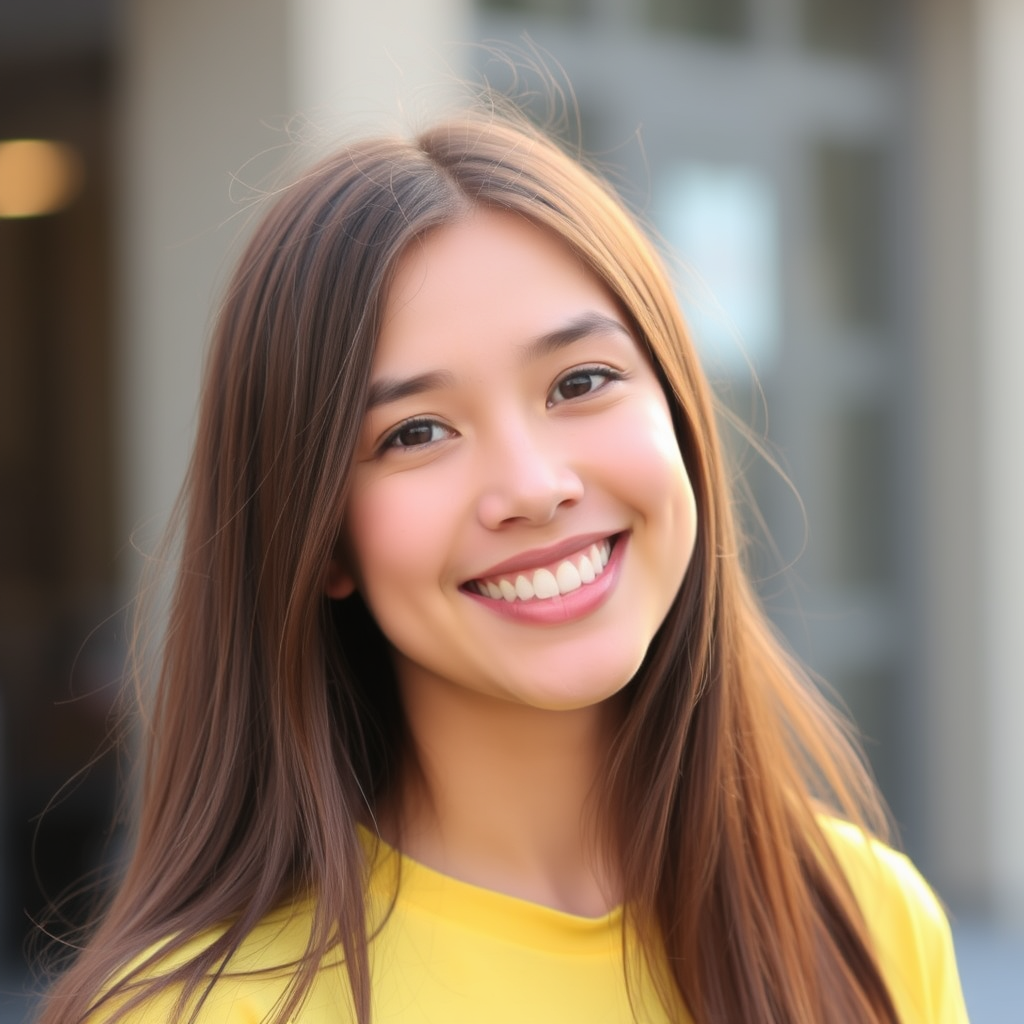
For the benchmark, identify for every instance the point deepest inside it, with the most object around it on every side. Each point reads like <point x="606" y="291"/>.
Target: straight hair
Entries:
<point x="275" y="724"/>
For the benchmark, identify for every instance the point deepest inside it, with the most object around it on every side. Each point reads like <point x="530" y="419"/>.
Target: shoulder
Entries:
<point x="248" y="989"/>
<point x="907" y="923"/>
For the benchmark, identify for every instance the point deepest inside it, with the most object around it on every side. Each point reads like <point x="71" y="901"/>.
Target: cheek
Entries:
<point x="646" y="451"/>
<point x="394" y="534"/>
<point x="652" y="469"/>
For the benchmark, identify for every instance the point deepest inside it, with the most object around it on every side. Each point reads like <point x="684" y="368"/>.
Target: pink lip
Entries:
<point x="551" y="611"/>
<point x="539" y="557"/>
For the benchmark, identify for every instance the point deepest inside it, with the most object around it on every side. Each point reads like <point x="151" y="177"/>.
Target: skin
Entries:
<point x="516" y="422"/>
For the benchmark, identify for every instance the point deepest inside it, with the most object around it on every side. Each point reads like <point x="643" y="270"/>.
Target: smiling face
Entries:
<point x="520" y="517"/>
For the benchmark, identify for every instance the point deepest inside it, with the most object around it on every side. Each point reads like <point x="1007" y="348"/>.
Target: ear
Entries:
<point x="340" y="582"/>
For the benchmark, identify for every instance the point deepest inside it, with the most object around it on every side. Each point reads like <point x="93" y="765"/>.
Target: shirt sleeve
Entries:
<point x="224" y="1005"/>
<point x="929" y="937"/>
<point x="909" y="927"/>
<point x="250" y="989"/>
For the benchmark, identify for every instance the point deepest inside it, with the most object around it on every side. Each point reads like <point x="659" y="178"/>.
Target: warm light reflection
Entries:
<point x="37" y="177"/>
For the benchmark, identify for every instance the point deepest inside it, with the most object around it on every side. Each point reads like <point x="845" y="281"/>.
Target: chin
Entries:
<point x="567" y="692"/>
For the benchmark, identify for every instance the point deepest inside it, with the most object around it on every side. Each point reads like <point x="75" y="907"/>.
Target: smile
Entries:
<point x="554" y="580"/>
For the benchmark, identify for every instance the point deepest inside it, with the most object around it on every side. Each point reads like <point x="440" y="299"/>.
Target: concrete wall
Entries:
<point x="971" y="360"/>
<point x="999" y="42"/>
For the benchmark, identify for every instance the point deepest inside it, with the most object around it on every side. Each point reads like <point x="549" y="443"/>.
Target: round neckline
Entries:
<point x="421" y="889"/>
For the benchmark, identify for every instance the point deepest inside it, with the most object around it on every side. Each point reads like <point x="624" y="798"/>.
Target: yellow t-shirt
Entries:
<point x="452" y="953"/>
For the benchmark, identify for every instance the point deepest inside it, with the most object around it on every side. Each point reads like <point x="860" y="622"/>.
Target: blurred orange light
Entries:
<point x="37" y="177"/>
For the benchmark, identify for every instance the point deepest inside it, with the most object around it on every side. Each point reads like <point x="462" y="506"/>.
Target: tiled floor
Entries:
<point x="991" y="968"/>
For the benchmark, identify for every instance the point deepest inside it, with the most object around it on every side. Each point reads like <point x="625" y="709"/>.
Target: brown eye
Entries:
<point x="582" y="382"/>
<point x="416" y="434"/>
<point x="578" y="384"/>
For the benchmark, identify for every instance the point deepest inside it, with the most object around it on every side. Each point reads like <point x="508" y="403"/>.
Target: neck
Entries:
<point x="500" y="795"/>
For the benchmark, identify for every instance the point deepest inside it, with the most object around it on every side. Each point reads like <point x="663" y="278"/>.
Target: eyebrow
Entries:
<point x="393" y="389"/>
<point x="578" y="327"/>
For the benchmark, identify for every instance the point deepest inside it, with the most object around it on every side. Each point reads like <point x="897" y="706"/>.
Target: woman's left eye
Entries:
<point x="581" y="382"/>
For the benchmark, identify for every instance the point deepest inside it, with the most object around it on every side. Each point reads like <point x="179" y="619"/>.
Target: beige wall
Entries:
<point x="971" y="357"/>
<point x="202" y="82"/>
<point x="999" y="47"/>
<point x="953" y="694"/>
<point x="212" y="91"/>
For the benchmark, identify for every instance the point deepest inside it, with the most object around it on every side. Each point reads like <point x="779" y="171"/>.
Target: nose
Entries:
<point x="526" y="478"/>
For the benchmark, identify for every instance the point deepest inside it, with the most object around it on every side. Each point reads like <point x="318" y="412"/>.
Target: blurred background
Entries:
<point x="841" y="184"/>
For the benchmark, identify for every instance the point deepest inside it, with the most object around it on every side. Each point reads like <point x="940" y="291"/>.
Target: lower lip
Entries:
<point x="552" y="611"/>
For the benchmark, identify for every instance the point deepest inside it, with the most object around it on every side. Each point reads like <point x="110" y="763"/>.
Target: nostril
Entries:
<point x="527" y="495"/>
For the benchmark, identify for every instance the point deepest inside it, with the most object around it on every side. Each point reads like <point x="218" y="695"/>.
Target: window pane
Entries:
<point x="874" y="699"/>
<point x="721" y="19"/>
<point x="854" y="28"/>
<point x="851" y="251"/>
<point x="858" y="514"/>
<point x="567" y="9"/>
<point x="721" y="220"/>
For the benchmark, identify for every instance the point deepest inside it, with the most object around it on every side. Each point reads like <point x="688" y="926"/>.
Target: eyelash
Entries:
<point x="390" y="440"/>
<point x="598" y="370"/>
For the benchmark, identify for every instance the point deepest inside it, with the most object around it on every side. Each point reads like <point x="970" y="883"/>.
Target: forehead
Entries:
<point x="492" y="276"/>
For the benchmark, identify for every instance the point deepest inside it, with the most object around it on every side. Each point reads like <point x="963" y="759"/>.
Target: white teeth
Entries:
<point x="568" y="579"/>
<point x="586" y="570"/>
<point x="568" y="576"/>
<point x="544" y="584"/>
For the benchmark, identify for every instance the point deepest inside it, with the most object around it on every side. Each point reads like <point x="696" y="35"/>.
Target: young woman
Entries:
<point x="467" y="711"/>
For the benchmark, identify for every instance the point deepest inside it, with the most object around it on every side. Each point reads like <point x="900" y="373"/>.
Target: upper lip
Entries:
<point x="537" y="557"/>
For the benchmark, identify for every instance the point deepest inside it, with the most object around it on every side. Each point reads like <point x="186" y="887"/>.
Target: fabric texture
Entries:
<point x="452" y="953"/>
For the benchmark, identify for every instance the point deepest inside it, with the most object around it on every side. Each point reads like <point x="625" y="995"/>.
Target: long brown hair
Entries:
<point x="275" y="724"/>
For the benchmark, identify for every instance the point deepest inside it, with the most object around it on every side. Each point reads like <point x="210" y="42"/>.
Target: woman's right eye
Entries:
<point x="416" y="434"/>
